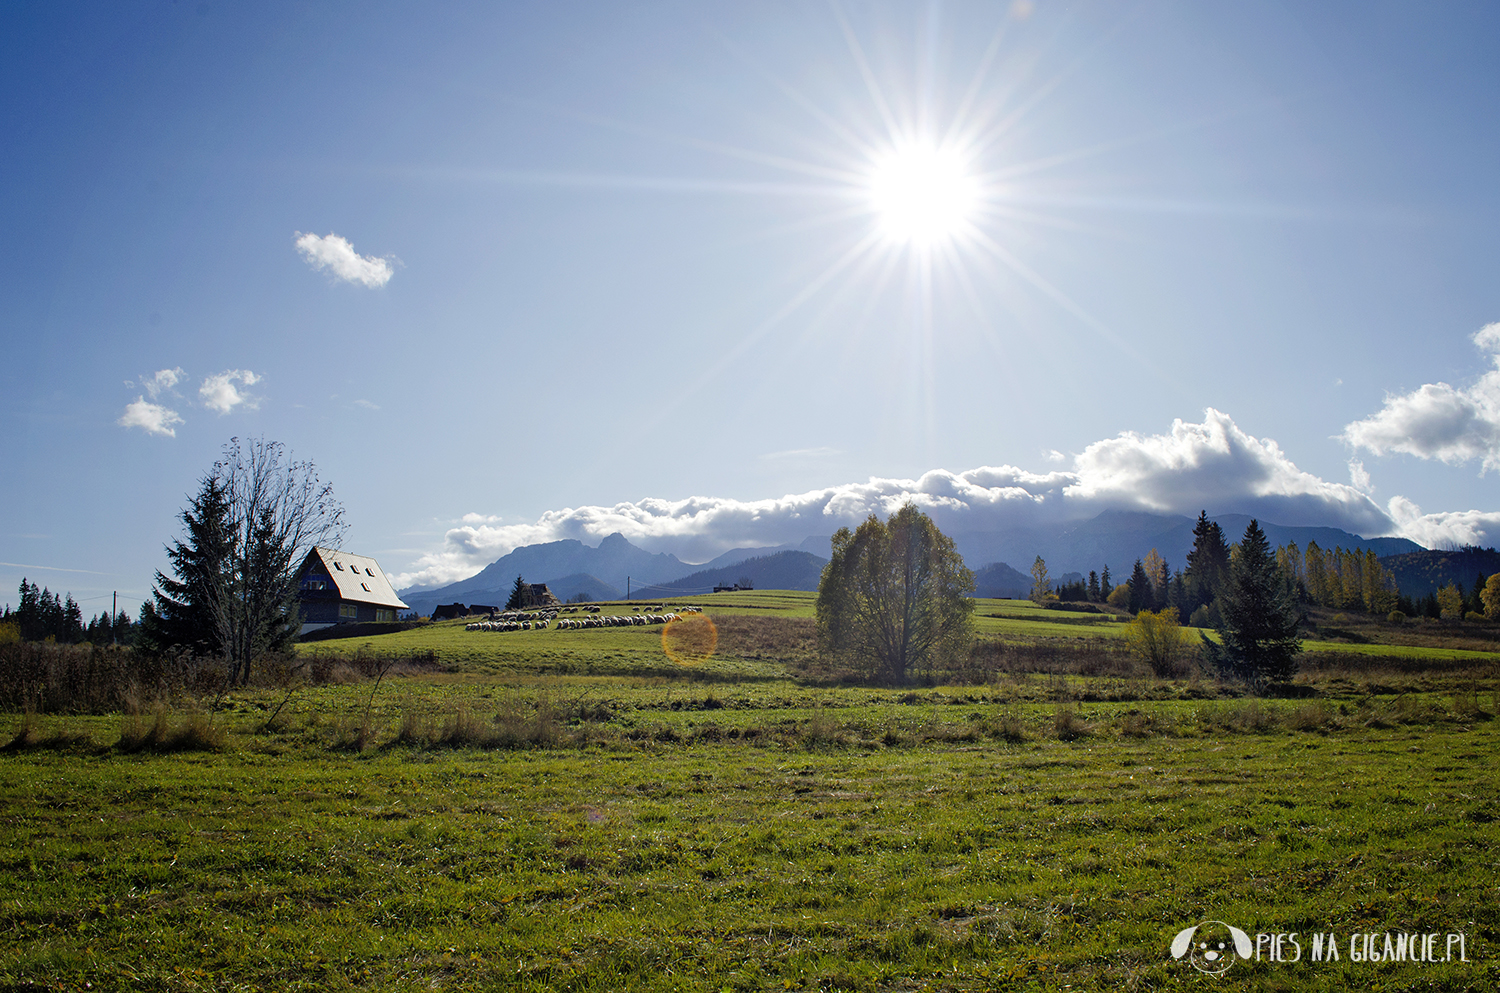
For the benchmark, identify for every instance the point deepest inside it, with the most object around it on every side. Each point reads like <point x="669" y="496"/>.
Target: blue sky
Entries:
<point x="513" y="272"/>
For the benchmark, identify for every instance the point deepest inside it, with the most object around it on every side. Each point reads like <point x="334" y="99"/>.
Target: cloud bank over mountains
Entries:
<point x="1212" y="465"/>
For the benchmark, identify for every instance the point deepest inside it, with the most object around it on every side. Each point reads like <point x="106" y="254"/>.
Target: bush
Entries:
<point x="1206" y="616"/>
<point x="1157" y="640"/>
<point x="197" y="732"/>
<point x="1396" y="617"/>
<point x="1066" y="723"/>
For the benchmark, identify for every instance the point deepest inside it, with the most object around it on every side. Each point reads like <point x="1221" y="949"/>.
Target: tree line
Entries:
<point x="45" y="616"/>
<point x="895" y="602"/>
<point x="1247" y="593"/>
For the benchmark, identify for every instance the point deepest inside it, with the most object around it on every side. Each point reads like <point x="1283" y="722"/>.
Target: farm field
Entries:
<point x="571" y="810"/>
<point x="746" y="649"/>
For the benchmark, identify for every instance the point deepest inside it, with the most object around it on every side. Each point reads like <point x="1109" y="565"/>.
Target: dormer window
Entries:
<point x="366" y="586"/>
<point x="338" y="567"/>
<point x="369" y="571"/>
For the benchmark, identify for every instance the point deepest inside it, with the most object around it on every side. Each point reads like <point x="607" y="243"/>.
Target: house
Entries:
<point x="338" y="587"/>
<point x="449" y="611"/>
<point x="537" y="595"/>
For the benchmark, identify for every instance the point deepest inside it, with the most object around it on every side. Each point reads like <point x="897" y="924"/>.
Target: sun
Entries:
<point x="923" y="194"/>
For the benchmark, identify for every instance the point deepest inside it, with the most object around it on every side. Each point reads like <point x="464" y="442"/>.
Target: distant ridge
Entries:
<point x="1114" y="538"/>
<point x="1420" y="573"/>
<point x="790" y="570"/>
<point x="1002" y="582"/>
<point x="615" y="561"/>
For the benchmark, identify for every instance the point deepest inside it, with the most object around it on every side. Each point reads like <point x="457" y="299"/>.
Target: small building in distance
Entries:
<point x="338" y="587"/>
<point x="537" y="595"/>
<point x="449" y="611"/>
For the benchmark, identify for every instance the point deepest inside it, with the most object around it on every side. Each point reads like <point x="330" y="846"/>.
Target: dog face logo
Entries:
<point x="1212" y="946"/>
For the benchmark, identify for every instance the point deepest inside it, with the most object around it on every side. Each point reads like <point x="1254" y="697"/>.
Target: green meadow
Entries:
<point x="573" y="810"/>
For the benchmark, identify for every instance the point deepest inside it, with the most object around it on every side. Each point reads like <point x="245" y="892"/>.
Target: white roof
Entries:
<point x="357" y="577"/>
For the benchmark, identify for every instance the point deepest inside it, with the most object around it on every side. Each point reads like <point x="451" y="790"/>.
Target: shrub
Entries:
<point x="1157" y="640"/>
<point x="1066" y="723"/>
<point x="198" y="732"/>
<point x="1206" y="616"/>
<point x="1009" y="727"/>
<point x="1396" y="617"/>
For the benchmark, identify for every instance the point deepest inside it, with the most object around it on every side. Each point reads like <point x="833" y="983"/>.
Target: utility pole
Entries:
<point x="114" y="611"/>
<point x="627" y="589"/>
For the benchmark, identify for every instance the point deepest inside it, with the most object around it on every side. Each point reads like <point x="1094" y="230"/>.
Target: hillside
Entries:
<point x="592" y="587"/>
<point x="1117" y="538"/>
<point x="789" y="570"/>
<point x="1113" y="538"/>
<point x="1002" y="582"/>
<point x="614" y="562"/>
<point x="1420" y="573"/>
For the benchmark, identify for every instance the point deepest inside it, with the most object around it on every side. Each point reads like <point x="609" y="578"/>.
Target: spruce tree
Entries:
<point x="1207" y="564"/>
<point x="1258" y="631"/>
<point x="181" y="612"/>
<point x="518" y="595"/>
<point x="1140" y="590"/>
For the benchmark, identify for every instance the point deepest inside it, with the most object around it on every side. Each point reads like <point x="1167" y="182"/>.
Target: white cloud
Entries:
<point x="367" y="404"/>
<point x="1216" y="465"/>
<point x="161" y="381"/>
<point x="151" y="417"/>
<point x="219" y="392"/>
<point x="1213" y="465"/>
<point x="338" y="256"/>
<point x="1449" y="529"/>
<point x="1438" y="421"/>
<point x="1359" y="476"/>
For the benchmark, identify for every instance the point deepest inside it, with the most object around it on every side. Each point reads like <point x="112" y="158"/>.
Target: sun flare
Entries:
<point x="923" y="194"/>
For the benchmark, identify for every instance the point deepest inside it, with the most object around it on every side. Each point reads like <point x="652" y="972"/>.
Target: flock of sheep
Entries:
<point x="514" y="620"/>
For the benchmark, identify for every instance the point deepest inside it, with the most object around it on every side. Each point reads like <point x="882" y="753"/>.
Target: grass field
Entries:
<point x="570" y="810"/>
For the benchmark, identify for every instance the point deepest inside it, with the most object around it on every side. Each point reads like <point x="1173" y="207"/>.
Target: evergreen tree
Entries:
<point x="255" y="519"/>
<point x="1094" y="586"/>
<point x="51" y="620"/>
<point x="1207" y="564"/>
<point x="1258" y="632"/>
<point x="1105" y="586"/>
<point x="29" y="614"/>
<point x="518" y="595"/>
<point x="71" y="627"/>
<point x="1475" y="602"/>
<point x="181" y="612"/>
<point x="1140" y="590"/>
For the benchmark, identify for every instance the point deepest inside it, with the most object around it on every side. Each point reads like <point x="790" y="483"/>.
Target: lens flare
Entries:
<point x="690" y="639"/>
<point x="923" y="194"/>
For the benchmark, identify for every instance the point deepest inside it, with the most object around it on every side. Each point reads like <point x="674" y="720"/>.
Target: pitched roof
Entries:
<point x="357" y="577"/>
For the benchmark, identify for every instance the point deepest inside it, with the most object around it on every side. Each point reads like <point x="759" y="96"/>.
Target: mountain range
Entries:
<point x="1114" y="538"/>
